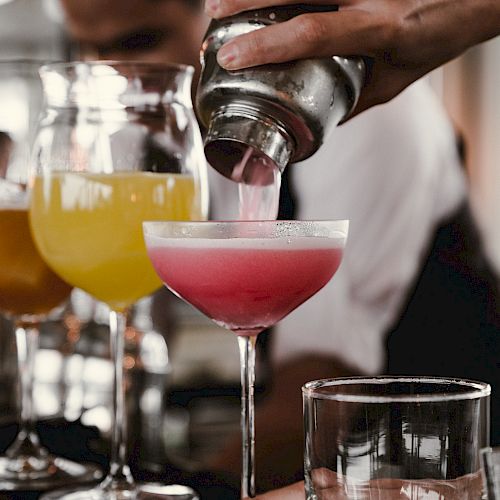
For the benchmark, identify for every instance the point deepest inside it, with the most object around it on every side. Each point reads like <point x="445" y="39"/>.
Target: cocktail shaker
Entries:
<point x="281" y="111"/>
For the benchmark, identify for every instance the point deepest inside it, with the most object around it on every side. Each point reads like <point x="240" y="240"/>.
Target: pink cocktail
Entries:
<point x="245" y="286"/>
<point x="246" y="276"/>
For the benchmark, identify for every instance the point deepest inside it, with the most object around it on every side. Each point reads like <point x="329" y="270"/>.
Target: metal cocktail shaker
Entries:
<point x="282" y="111"/>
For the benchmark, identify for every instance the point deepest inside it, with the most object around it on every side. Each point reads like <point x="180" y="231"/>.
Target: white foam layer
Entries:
<point x="285" y="243"/>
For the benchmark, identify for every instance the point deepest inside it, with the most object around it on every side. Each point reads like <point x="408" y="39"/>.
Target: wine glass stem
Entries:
<point x="246" y="346"/>
<point x="119" y="476"/>
<point x="27" y="442"/>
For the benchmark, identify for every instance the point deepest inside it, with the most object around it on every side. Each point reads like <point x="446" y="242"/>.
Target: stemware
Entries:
<point x="118" y="143"/>
<point x="246" y="276"/>
<point x="29" y="290"/>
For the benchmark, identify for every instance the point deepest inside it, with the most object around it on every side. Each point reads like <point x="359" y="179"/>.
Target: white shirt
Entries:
<point x="394" y="172"/>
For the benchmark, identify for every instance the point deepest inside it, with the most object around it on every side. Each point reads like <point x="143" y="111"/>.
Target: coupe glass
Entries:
<point x="246" y="276"/>
<point x="29" y="290"/>
<point x="118" y="144"/>
<point x="417" y="438"/>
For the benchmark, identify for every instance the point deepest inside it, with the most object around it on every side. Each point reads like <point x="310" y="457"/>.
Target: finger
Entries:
<point x="350" y="32"/>
<point x="224" y="8"/>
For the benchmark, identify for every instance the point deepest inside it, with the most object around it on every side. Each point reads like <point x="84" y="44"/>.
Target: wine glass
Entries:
<point x="29" y="289"/>
<point x="246" y="276"/>
<point x="118" y="143"/>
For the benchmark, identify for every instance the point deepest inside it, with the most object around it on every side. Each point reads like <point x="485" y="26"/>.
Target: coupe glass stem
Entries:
<point x="26" y="443"/>
<point x="119" y="477"/>
<point x="246" y="346"/>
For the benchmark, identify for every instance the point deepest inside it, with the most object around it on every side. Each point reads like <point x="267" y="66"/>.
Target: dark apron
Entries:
<point x="450" y="325"/>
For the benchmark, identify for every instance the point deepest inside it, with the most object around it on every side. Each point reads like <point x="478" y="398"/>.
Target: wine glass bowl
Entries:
<point x="28" y="287"/>
<point x="118" y="144"/>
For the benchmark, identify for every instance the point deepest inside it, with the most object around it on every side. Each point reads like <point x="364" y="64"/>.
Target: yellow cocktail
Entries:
<point x="88" y="227"/>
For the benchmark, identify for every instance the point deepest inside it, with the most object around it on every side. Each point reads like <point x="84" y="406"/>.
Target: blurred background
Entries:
<point x="176" y="368"/>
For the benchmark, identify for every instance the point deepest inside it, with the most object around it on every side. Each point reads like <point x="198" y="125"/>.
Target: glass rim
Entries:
<point x="477" y="389"/>
<point x="226" y="229"/>
<point x="257" y="223"/>
<point x="160" y="66"/>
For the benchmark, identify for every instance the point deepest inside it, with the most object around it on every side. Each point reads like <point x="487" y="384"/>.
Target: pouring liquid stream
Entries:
<point x="259" y="182"/>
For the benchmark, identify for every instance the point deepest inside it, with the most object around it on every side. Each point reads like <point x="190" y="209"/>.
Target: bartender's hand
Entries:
<point x="404" y="38"/>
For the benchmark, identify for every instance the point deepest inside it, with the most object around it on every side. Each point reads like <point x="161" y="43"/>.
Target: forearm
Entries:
<point x="470" y="22"/>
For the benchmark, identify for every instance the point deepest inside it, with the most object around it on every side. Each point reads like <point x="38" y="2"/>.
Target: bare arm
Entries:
<point x="404" y="38"/>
